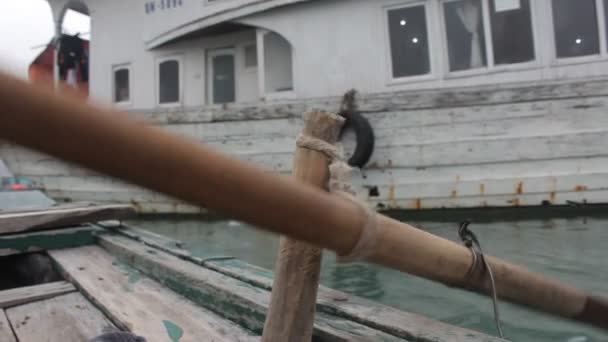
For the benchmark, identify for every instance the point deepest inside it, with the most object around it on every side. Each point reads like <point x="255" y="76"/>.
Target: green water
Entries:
<point x="571" y="250"/>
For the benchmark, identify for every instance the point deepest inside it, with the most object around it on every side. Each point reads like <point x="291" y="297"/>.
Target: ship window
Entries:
<point x="409" y="41"/>
<point x="168" y="81"/>
<point x="121" y="85"/>
<point x="465" y="34"/>
<point x="251" y="56"/>
<point x="510" y="28"/>
<point x="512" y="37"/>
<point x="576" y="28"/>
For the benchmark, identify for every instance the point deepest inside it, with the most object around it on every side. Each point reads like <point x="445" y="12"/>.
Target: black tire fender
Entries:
<point x="365" y="138"/>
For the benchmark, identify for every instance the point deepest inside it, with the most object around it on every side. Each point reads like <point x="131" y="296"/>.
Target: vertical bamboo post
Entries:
<point x="294" y="291"/>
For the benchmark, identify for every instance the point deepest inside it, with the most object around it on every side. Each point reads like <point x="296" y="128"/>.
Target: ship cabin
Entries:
<point x="151" y="55"/>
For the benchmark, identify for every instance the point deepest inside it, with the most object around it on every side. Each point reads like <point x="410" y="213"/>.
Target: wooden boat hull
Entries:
<point x="521" y="145"/>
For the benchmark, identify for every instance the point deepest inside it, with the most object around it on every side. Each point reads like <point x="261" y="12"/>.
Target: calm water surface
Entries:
<point x="571" y="250"/>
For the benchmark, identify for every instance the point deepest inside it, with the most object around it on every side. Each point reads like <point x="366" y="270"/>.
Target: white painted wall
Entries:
<point x="118" y="33"/>
<point x="343" y="44"/>
<point x="337" y="45"/>
<point x="247" y="84"/>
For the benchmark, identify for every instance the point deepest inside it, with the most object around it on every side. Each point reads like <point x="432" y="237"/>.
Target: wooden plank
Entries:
<point x="235" y="299"/>
<point x="466" y="152"/>
<point x="11" y="201"/>
<point x="24" y="295"/>
<point x="351" y="308"/>
<point x="67" y="318"/>
<point x="381" y="317"/>
<point x="249" y="294"/>
<point x="143" y="204"/>
<point x="171" y="246"/>
<point x="386" y="102"/>
<point x="47" y="240"/>
<point x="466" y="180"/>
<point x="487" y="187"/>
<point x="6" y="332"/>
<point x="413" y="127"/>
<point x="139" y="304"/>
<point x="62" y="216"/>
<point x="581" y="198"/>
<point x="384" y="318"/>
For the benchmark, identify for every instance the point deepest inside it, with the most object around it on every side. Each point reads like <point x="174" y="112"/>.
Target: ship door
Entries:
<point x="222" y="76"/>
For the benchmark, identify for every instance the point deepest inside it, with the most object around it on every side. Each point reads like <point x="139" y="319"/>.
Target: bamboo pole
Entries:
<point x="108" y="142"/>
<point x="294" y="292"/>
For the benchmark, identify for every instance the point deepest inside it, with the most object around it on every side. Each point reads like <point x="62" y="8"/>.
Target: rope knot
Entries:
<point x="340" y="183"/>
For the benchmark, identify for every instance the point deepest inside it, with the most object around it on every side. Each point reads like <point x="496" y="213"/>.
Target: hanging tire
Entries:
<point x="365" y="138"/>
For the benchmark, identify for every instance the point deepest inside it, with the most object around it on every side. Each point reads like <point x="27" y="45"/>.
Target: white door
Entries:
<point x="221" y="80"/>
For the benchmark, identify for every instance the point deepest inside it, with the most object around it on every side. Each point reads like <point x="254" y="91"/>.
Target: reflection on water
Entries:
<point x="571" y="250"/>
<point x="365" y="284"/>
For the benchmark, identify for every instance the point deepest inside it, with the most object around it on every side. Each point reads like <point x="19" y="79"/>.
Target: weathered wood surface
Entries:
<point x="419" y="127"/>
<point x="11" y="201"/>
<point x="298" y="267"/>
<point x="139" y="304"/>
<point x="391" y="101"/>
<point x="555" y="181"/>
<point x="46" y="240"/>
<point x="428" y="142"/>
<point x="171" y="246"/>
<point x="6" y="332"/>
<point x="62" y="216"/>
<point x="68" y="318"/>
<point x="379" y="317"/>
<point x="28" y="294"/>
<point x="235" y="299"/>
<point x="404" y="324"/>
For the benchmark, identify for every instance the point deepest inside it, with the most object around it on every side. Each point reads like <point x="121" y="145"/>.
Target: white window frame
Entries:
<point x="263" y="94"/>
<point x="491" y="67"/>
<point x="601" y="26"/>
<point x="115" y="68"/>
<point x="434" y="72"/>
<point x="180" y="63"/>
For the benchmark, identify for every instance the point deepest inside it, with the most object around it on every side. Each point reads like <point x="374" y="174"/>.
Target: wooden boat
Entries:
<point x="111" y="277"/>
<point x="308" y="217"/>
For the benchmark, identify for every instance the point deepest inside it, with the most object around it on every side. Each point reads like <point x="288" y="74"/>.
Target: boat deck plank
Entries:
<point x="67" y="318"/>
<point x="140" y="304"/>
<point x="246" y="303"/>
<point x="381" y="317"/>
<point x="6" y="332"/>
<point x="47" y="240"/>
<point x="67" y="215"/>
<point x="27" y="294"/>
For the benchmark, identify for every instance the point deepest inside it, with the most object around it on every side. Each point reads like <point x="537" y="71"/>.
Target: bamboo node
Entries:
<point x="368" y="239"/>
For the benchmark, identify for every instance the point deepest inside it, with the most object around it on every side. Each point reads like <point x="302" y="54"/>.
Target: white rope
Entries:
<point x="340" y="183"/>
